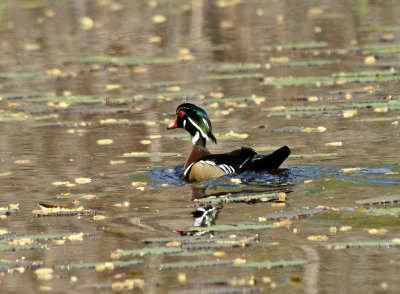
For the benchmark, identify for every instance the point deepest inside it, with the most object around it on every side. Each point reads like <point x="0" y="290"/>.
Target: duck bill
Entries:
<point x="174" y="125"/>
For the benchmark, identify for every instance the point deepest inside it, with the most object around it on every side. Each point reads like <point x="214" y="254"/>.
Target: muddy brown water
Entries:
<point x="87" y="89"/>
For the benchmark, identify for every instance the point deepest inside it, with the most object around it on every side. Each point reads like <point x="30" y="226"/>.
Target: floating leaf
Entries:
<point x="128" y="284"/>
<point x="194" y="264"/>
<point x="125" y="60"/>
<point x="221" y="290"/>
<point x="239" y="227"/>
<point x="233" y="67"/>
<point x="233" y="76"/>
<point x="295" y="46"/>
<point x="379" y="200"/>
<point x="147" y="154"/>
<point x="336" y="78"/>
<point x="300" y="156"/>
<point x="361" y="244"/>
<point x="265" y="197"/>
<point x="46" y="209"/>
<point x="110" y="265"/>
<point x="294" y="214"/>
<point x="272" y="264"/>
<point x="146" y="251"/>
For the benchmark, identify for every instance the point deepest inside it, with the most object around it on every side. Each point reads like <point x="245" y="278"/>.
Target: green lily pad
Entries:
<point x="99" y="266"/>
<point x="194" y="264"/>
<point x="363" y="244"/>
<point x="265" y="197"/>
<point x="147" y="251"/>
<point x="380" y="200"/>
<point x="238" y="227"/>
<point x="295" y="46"/>
<point x="273" y="264"/>
<point x="233" y="76"/>
<point x="125" y="60"/>
<point x="147" y="154"/>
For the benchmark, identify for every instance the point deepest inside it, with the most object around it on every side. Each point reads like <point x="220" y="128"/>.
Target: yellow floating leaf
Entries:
<point x="83" y="180"/>
<point x="181" y="277"/>
<point x="349" y="113"/>
<point x="105" y="141"/>
<point x="369" y="59"/>
<point x="31" y="47"/>
<point x="22" y="161"/>
<point x="226" y="24"/>
<point x="350" y="169"/>
<point x="219" y="254"/>
<point x="66" y="183"/>
<point x="111" y="87"/>
<point x="279" y="59"/>
<point x="381" y="109"/>
<point x="4" y="231"/>
<point x="236" y="181"/>
<point x="377" y="231"/>
<point x="158" y="18"/>
<point x="173" y="89"/>
<point x="76" y="237"/>
<point x="99" y="217"/>
<point x="155" y="39"/>
<point x="315" y="11"/>
<point x="239" y="261"/>
<point x="44" y="273"/>
<point x="139" y="184"/>
<point x="145" y="142"/>
<point x="113" y="162"/>
<point x="21" y="241"/>
<point x="86" y="23"/>
<point x="140" y="69"/>
<point x="173" y="244"/>
<point x="320" y="238"/>
<point x="334" y="144"/>
<point x="150" y="123"/>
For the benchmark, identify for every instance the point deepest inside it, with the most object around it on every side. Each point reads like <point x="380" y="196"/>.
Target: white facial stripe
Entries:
<point x="184" y="123"/>
<point x="197" y="127"/>
<point x="195" y="138"/>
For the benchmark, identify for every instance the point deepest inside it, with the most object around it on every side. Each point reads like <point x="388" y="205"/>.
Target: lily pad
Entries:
<point x="272" y="264"/>
<point x="380" y="200"/>
<point x="265" y="197"/>
<point x="361" y="244"/>
<point x="146" y="251"/>
<point x="294" y="214"/>
<point x="147" y="154"/>
<point x="125" y="60"/>
<point x="233" y="76"/>
<point x="295" y="46"/>
<point x="239" y="227"/>
<point x="100" y="266"/>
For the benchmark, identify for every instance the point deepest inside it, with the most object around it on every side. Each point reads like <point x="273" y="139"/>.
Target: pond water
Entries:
<point x="91" y="195"/>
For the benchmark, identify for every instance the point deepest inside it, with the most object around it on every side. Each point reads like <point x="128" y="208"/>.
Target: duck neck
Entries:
<point x="199" y="150"/>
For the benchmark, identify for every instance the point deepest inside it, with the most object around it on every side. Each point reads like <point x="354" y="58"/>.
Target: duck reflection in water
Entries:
<point x="206" y="214"/>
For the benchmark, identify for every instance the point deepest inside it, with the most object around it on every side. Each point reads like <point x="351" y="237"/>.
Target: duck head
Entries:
<point x="194" y="120"/>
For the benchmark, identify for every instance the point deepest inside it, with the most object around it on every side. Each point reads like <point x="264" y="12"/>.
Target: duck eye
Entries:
<point x="180" y="113"/>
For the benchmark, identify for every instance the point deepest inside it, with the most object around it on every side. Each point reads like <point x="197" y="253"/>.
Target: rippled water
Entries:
<point x="83" y="84"/>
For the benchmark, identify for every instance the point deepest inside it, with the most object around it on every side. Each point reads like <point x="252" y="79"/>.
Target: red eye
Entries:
<point x="180" y="113"/>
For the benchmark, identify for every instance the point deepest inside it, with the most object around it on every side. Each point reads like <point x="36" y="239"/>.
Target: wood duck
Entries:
<point x="202" y="165"/>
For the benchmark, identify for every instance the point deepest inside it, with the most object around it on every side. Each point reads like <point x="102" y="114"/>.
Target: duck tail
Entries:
<point x="270" y="161"/>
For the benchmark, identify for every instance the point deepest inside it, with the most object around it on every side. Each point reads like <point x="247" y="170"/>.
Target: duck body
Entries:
<point x="202" y="165"/>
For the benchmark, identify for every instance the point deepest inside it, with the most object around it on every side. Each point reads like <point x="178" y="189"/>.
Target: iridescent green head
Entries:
<point x="194" y="120"/>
